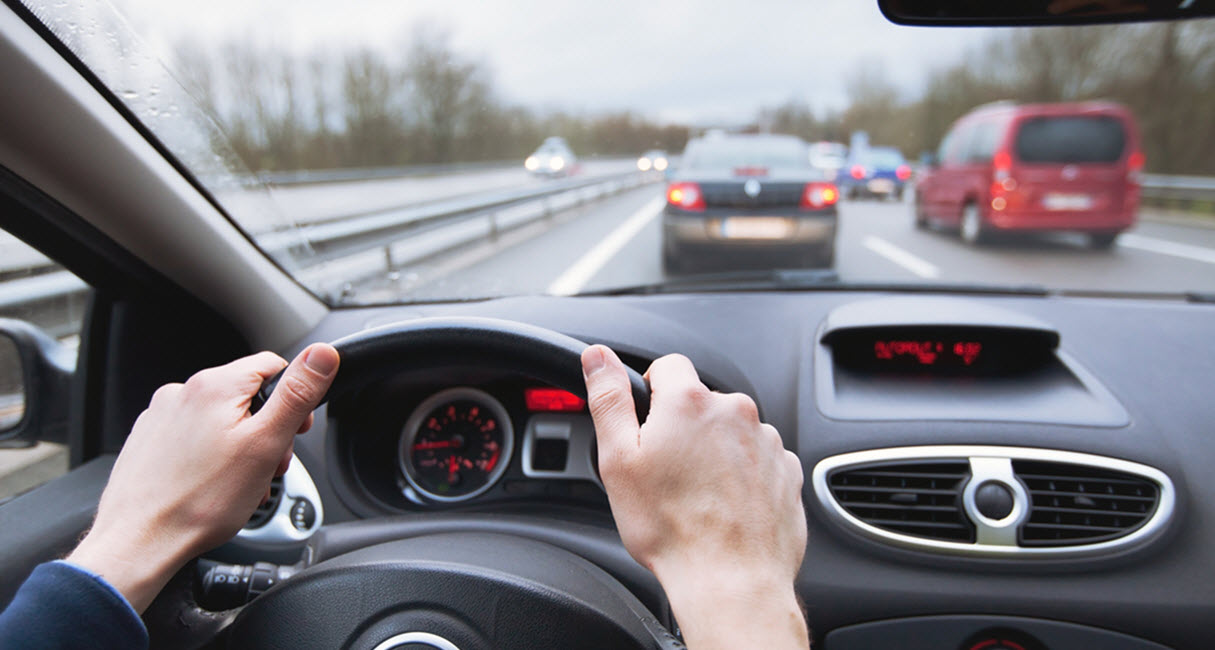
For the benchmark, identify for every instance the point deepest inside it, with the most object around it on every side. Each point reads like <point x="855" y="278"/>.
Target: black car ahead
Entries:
<point x="748" y="200"/>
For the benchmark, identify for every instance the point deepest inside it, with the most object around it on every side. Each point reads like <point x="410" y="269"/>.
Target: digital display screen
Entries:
<point x="928" y="352"/>
<point x="943" y="350"/>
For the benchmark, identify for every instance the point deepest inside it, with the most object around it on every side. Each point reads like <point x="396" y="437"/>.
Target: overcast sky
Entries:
<point x="677" y="60"/>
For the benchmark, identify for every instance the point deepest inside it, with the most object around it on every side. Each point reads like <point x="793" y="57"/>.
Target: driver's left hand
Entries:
<point x="196" y="465"/>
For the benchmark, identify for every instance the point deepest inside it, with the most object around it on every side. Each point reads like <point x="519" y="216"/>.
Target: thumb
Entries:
<point x="611" y="401"/>
<point x="300" y="389"/>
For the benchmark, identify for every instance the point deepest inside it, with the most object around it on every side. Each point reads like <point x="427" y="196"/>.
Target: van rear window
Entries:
<point x="1072" y="139"/>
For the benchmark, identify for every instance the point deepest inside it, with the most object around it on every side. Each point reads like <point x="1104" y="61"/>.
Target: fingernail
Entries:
<point x="321" y="359"/>
<point x="593" y="360"/>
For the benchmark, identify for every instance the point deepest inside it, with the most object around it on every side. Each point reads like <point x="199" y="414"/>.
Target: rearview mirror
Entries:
<point x="35" y="376"/>
<point x="999" y="13"/>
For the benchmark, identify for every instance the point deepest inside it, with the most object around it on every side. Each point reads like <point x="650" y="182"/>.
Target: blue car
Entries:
<point x="876" y="172"/>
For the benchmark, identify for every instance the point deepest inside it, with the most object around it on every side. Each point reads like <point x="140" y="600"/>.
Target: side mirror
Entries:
<point x="35" y="377"/>
<point x="928" y="159"/>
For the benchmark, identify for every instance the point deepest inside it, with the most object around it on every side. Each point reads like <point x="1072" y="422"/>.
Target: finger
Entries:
<point x="245" y="375"/>
<point x="306" y="425"/>
<point x="673" y="377"/>
<point x="610" y="398"/>
<point x="300" y="389"/>
<point x="285" y="462"/>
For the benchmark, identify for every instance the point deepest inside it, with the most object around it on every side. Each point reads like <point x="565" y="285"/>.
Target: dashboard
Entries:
<point x="1077" y="431"/>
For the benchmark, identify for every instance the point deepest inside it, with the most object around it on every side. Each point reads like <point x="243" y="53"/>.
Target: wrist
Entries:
<point x="135" y="563"/>
<point x="718" y="608"/>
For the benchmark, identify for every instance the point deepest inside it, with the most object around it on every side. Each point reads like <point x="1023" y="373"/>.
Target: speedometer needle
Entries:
<point x="435" y="444"/>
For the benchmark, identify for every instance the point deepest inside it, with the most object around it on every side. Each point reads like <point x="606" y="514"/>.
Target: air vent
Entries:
<point x="923" y="499"/>
<point x="266" y="510"/>
<point x="1076" y="504"/>
<point x="995" y="502"/>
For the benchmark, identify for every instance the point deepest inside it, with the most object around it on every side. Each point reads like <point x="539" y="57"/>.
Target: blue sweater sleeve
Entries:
<point x="63" y="606"/>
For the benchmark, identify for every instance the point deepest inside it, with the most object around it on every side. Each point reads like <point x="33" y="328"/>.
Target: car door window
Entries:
<point x="38" y="291"/>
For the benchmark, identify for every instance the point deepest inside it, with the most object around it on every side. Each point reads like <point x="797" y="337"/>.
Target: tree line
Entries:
<point x="279" y="111"/>
<point x="1164" y="72"/>
<point x="361" y="108"/>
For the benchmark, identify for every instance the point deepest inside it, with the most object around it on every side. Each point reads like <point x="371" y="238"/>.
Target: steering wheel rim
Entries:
<point x="378" y="353"/>
<point x="474" y="590"/>
<point x="489" y="343"/>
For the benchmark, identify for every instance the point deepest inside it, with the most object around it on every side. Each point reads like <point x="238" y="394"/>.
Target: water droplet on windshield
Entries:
<point x="130" y="94"/>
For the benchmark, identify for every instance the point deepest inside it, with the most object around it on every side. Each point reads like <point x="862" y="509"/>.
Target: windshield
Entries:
<point x="386" y="151"/>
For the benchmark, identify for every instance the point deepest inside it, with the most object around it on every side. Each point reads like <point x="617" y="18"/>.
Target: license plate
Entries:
<point x="755" y="228"/>
<point x="1067" y="202"/>
<point x="881" y="186"/>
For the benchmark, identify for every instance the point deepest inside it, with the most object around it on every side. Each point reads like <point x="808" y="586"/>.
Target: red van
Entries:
<point x="1035" y="167"/>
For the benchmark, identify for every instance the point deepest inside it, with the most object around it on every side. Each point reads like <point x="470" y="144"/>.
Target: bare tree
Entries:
<point x="447" y="91"/>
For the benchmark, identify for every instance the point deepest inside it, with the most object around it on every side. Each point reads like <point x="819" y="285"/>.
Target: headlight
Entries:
<point x="532" y="164"/>
<point x="556" y="163"/>
<point x="643" y="164"/>
<point x="660" y="164"/>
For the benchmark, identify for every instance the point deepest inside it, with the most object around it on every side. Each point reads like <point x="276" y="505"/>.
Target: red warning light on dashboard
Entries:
<point x="552" y="399"/>
<point x="928" y="353"/>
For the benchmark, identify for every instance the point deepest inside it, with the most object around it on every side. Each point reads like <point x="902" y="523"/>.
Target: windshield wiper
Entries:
<point x="750" y="280"/>
<point x="802" y="279"/>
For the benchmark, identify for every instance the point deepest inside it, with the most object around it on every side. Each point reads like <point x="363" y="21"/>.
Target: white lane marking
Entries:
<point x="576" y="276"/>
<point x="1165" y="247"/>
<point x="901" y="257"/>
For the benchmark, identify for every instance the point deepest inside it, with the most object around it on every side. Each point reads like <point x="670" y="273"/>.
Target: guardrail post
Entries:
<point x="493" y="226"/>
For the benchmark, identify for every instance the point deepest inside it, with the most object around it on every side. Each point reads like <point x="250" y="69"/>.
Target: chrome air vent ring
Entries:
<point x="994" y="501"/>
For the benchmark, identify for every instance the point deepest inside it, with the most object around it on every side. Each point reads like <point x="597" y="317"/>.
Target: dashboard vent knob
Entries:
<point x="923" y="499"/>
<point x="1077" y="504"/>
<point x="266" y="510"/>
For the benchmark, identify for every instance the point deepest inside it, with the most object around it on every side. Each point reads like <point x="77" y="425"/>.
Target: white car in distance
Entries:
<point x="553" y="158"/>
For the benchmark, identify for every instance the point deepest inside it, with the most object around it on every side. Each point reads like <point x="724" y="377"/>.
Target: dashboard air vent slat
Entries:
<point x="923" y="499"/>
<point x="266" y="510"/>
<point x="1077" y="504"/>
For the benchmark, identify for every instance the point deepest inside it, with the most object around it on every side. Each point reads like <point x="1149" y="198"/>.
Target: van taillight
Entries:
<point x="1001" y="165"/>
<point x="1134" y="166"/>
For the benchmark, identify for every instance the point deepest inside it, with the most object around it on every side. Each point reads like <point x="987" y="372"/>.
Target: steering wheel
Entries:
<point x="493" y="584"/>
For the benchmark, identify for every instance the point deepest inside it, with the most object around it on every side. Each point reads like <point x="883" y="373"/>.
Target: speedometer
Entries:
<point x="456" y="444"/>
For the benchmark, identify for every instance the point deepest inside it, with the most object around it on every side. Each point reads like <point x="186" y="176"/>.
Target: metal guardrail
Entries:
<point x="1178" y="188"/>
<point x="352" y="249"/>
<point x="315" y="176"/>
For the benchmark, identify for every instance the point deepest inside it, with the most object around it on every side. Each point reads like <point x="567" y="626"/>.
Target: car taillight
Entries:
<point x="1134" y="166"/>
<point x="1001" y="165"/>
<point x="858" y="172"/>
<point x="686" y="196"/>
<point x="819" y="195"/>
<point x="903" y="172"/>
